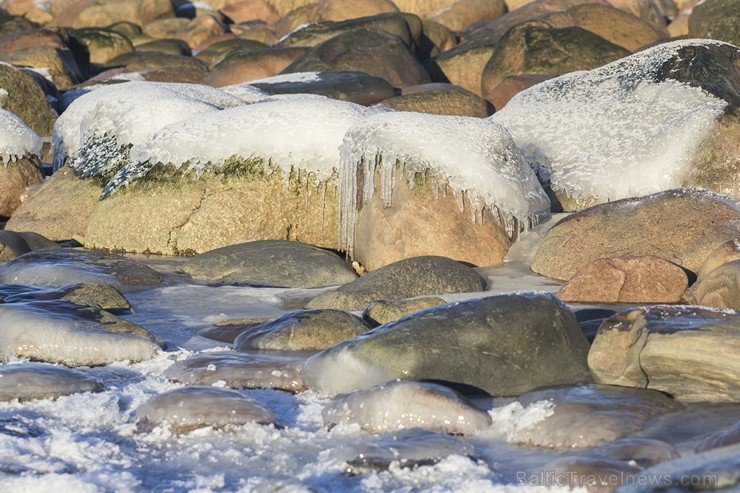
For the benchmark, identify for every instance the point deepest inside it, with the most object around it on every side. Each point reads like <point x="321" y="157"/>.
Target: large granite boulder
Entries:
<point x="676" y="125"/>
<point x="416" y="276"/>
<point x="504" y="345"/>
<point x="688" y="352"/>
<point x="417" y="184"/>
<point x="682" y="226"/>
<point x="103" y="44"/>
<point x="252" y="65"/>
<point x="463" y="13"/>
<point x="21" y="95"/>
<point x="720" y="288"/>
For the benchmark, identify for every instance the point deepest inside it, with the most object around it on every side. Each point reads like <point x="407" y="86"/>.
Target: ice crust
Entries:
<point x="98" y="124"/>
<point x="475" y="157"/>
<point x="16" y="139"/>
<point x="291" y="131"/>
<point x="615" y="131"/>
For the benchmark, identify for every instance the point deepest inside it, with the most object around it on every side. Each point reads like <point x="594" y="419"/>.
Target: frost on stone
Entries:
<point x="16" y="139"/>
<point x="288" y="132"/>
<point x="245" y="92"/>
<point x="475" y="158"/>
<point x="97" y="129"/>
<point x="617" y="131"/>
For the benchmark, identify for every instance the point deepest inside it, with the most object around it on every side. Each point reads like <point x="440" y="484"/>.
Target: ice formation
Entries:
<point x="96" y="126"/>
<point x="616" y="131"/>
<point x="477" y="158"/>
<point x="245" y="92"/>
<point x="16" y="139"/>
<point x="301" y="131"/>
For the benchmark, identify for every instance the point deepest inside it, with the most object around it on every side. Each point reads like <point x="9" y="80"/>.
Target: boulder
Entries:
<point x="383" y="311"/>
<point x="228" y="330"/>
<point x="420" y="184"/>
<point x="220" y="50"/>
<point x="15" y="176"/>
<point x="532" y="48"/>
<point x="682" y="226"/>
<point x="688" y="352"/>
<point x="138" y="12"/>
<point x="252" y="65"/>
<point x="407" y="278"/>
<point x="423" y="8"/>
<point x="250" y="10"/>
<point x="463" y="13"/>
<point x="720" y="288"/>
<point x="152" y="60"/>
<point x="60" y="64"/>
<point x="201" y="29"/>
<point x="187" y="409"/>
<point x="13" y="244"/>
<point x="511" y="86"/>
<point x="403" y="404"/>
<point x="29" y="381"/>
<point x="445" y="100"/>
<point x="283" y="7"/>
<point x="715" y="19"/>
<point x="103" y="44"/>
<point x="644" y="279"/>
<point x="167" y="46"/>
<point x="101" y="296"/>
<point x="369" y="50"/>
<point x="337" y="10"/>
<point x="304" y="330"/>
<point x="21" y="95"/>
<point x="273" y="263"/>
<point x="676" y="126"/>
<point x="726" y="252"/>
<point x="463" y="65"/>
<point x="166" y="28"/>
<point x="503" y="345"/>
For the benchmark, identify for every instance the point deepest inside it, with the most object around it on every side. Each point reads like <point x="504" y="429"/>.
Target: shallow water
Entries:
<point x="89" y="442"/>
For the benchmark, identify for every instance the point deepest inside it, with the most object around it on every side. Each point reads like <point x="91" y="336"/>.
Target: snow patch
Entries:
<point x="294" y="77"/>
<point x="16" y="139"/>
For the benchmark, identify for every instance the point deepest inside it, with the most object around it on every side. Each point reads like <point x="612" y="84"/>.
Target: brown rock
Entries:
<point x="463" y="13"/>
<point x="682" y="226"/>
<point x="26" y="99"/>
<point x="30" y="39"/>
<point x="511" y="86"/>
<point x="104" y="44"/>
<point x="250" y="10"/>
<point x="252" y="65"/>
<point x="256" y="31"/>
<point x="463" y="65"/>
<point x="720" y="288"/>
<point x="284" y="7"/>
<point x="216" y="52"/>
<point x="680" y="25"/>
<point x="164" y="28"/>
<point x="716" y="162"/>
<point x="447" y="100"/>
<point x="299" y="17"/>
<point x="423" y="8"/>
<point x="688" y="352"/>
<point x="136" y="11"/>
<point x="727" y="252"/>
<point x="200" y="29"/>
<point x="654" y="12"/>
<point x="437" y="39"/>
<point x="644" y="279"/>
<point x="15" y="176"/>
<point x="716" y="19"/>
<point x="337" y="10"/>
<point x="383" y="311"/>
<point x="60" y="209"/>
<point x="59" y="62"/>
<point x="151" y="60"/>
<point x="372" y="51"/>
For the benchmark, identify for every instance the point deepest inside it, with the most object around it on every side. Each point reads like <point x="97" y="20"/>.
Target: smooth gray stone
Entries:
<point x="29" y="381"/>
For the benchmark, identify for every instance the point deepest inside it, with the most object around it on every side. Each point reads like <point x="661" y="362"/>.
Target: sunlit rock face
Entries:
<point x="189" y="408"/>
<point x="30" y="381"/>
<point x="636" y="126"/>
<point x="403" y="404"/>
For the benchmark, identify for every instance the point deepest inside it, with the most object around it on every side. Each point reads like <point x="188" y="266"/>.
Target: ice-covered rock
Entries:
<point x="189" y="408"/>
<point x="38" y="381"/>
<point x="20" y="150"/>
<point x="404" y="404"/>
<point x="14" y="243"/>
<point x="16" y="139"/>
<point x="631" y="127"/>
<point x="467" y="167"/>
<point x="97" y="129"/>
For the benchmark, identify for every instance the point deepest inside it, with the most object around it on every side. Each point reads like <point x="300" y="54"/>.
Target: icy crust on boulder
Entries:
<point x="475" y="157"/>
<point x="616" y="131"/>
<point x="16" y="139"/>
<point x="98" y="124"/>
<point x="245" y="92"/>
<point x="290" y="131"/>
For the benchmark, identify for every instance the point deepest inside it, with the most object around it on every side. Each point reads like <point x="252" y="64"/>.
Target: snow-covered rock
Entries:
<point x="20" y="149"/>
<point x="16" y="139"/>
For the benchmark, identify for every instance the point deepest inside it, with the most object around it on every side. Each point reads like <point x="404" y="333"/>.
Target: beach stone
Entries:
<point x="463" y="13"/>
<point x="252" y="65"/>
<point x="511" y="86"/>
<point x="293" y="20"/>
<point x="532" y="48"/>
<point x="416" y="276"/>
<point x="167" y="46"/>
<point x="436" y="39"/>
<point x="14" y="244"/>
<point x="15" y="176"/>
<point x="383" y="311"/>
<point x="679" y="26"/>
<point x="463" y="65"/>
<point x="241" y="370"/>
<point x="217" y="52"/>
<point x="688" y="352"/>
<point x="103" y="44"/>
<point x="504" y="345"/>
<point x="403" y="404"/>
<point x="58" y="267"/>
<point x="720" y="288"/>
<point x="250" y="10"/>
<point x="644" y="279"/>
<point x="595" y="475"/>
<point x="423" y="8"/>
<point x="372" y="51"/>
<point x="200" y="29"/>
<point x="271" y="262"/>
<point x="72" y="335"/>
<point x="283" y="7"/>
<point x="26" y="99"/>
<point x="256" y="31"/>
<point x="29" y="39"/>
<point x="137" y="61"/>
<point x="138" y="12"/>
<point x="228" y="330"/>
<point x="682" y="226"/>
<point x="29" y="381"/>
<point x="60" y="209"/>
<point x="726" y="252"/>
<point x="722" y="438"/>
<point x="337" y="10"/>
<point x="355" y="87"/>
<point x="448" y="100"/>
<point x="305" y="330"/>
<point x="590" y="415"/>
<point x="714" y="165"/>
<point x="60" y="63"/>
<point x="166" y="28"/>
<point x="101" y="296"/>
<point x="187" y="409"/>
<point x="715" y="19"/>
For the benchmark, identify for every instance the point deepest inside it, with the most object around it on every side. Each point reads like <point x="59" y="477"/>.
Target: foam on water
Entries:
<point x="615" y="131"/>
<point x="16" y="139"/>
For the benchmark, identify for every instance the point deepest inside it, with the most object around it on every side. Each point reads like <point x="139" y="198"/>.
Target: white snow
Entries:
<point x="16" y="139"/>
<point x="245" y="92"/>
<point x="296" y="131"/>
<point x="613" y="132"/>
<point x="475" y="157"/>
<point x="127" y="113"/>
<point x="294" y="77"/>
